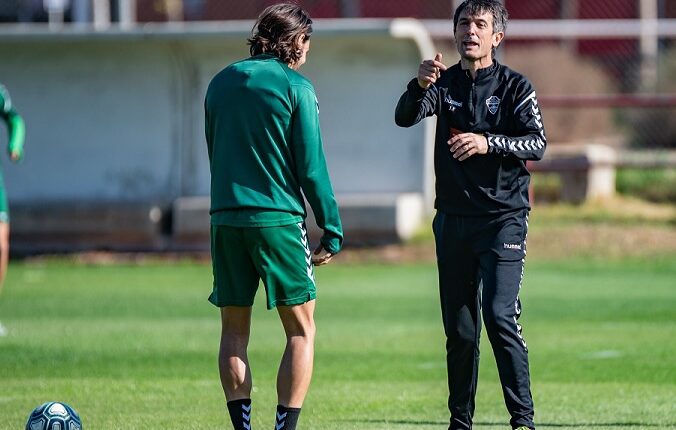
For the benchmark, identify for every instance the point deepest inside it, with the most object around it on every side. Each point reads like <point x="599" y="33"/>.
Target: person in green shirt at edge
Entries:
<point x="16" y="131"/>
<point x="265" y="146"/>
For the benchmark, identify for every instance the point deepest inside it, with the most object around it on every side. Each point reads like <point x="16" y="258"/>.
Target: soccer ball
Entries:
<point x="54" y="416"/>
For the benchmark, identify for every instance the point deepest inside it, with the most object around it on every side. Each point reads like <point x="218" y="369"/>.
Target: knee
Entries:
<point x="307" y="331"/>
<point x="498" y="320"/>
<point x="462" y="333"/>
<point x="298" y="321"/>
<point x="311" y="330"/>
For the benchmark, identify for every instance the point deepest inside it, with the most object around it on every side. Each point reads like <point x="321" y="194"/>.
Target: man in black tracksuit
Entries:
<point x="488" y="125"/>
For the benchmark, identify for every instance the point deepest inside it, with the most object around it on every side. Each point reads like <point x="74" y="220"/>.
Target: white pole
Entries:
<point x="127" y="13"/>
<point x="55" y="19"/>
<point x="101" y="14"/>
<point x="55" y="11"/>
<point x="649" y="44"/>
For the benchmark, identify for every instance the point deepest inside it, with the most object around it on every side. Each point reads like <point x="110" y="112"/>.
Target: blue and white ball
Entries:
<point x="54" y="416"/>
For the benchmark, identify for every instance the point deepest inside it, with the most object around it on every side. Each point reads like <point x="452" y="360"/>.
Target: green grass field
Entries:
<point x="134" y="347"/>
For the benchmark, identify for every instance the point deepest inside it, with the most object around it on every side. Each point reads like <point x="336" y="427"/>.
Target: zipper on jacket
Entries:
<point x="471" y="101"/>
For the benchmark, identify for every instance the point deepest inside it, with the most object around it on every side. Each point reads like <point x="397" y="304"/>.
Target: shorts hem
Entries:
<point x="227" y="303"/>
<point x="309" y="296"/>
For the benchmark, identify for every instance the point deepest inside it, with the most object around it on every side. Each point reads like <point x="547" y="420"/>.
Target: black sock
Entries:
<point x="286" y="418"/>
<point x="240" y="413"/>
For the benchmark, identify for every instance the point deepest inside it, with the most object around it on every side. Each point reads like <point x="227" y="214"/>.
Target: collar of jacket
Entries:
<point x="481" y="74"/>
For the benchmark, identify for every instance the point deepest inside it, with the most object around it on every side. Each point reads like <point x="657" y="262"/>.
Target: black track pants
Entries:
<point x="480" y="262"/>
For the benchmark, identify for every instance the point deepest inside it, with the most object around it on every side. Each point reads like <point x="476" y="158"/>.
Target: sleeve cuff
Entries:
<point x="492" y="147"/>
<point x="331" y="243"/>
<point x="414" y="88"/>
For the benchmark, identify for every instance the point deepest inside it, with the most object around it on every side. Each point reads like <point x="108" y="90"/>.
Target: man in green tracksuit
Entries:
<point x="16" y="131"/>
<point x="265" y="146"/>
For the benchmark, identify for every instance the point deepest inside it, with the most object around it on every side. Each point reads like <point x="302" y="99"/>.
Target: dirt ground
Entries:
<point x="617" y="228"/>
<point x="554" y="243"/>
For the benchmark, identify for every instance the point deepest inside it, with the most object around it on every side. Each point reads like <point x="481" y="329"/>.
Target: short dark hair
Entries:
<point x="277" y="29"/>
<point x="477" y="7"/>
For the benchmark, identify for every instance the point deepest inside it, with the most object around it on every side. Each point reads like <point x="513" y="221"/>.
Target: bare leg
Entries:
<point x="4" y="251"/>
<point x="233" y="362"/>
<point x="295" y="370"/>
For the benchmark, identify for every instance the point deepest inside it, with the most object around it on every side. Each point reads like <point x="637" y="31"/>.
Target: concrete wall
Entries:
<point x="104" y="119"/>
<point x="116" y="117"/>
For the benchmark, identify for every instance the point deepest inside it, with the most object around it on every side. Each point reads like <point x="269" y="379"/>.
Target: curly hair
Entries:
<point x="477" y="7"/>
<point x="277" y="30"/>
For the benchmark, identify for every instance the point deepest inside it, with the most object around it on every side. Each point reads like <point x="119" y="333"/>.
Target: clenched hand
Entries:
<point x="464" y="145"/>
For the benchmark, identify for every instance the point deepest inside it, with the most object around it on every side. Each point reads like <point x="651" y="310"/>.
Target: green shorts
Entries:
<point x="4" y="207"/>
<point x="280" y="256"/>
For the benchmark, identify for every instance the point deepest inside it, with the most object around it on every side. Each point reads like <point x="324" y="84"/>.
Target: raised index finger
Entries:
<point x="440" y="65"/>
<point x="435" y="63"/>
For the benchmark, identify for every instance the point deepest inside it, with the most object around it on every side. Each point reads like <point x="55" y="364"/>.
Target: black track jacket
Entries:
<point x="500" y="104"/>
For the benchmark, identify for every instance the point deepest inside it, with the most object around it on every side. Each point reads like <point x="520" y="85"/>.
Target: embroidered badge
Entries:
<point x="493" y="104"/>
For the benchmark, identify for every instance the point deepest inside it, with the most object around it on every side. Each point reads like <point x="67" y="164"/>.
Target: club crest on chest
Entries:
<point x="493" y="104"/>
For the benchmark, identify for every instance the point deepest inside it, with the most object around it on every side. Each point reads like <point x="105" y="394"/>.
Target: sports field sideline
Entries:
<point x="133" y="346"/>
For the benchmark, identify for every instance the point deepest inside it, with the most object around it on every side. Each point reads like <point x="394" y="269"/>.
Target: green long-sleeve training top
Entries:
<point x="265" y="145"/>
<point x="15" y="125"/>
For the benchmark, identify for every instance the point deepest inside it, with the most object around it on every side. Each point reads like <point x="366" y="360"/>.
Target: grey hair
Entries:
<point x="477" y="7"/>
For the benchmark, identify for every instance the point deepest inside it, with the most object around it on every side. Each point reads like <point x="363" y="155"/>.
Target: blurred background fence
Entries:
<point x="604" y="69"/>
<point x="605" y="72"/>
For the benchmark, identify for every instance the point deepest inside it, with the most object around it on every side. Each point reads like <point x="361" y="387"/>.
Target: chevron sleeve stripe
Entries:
<point x="530" y="142"/>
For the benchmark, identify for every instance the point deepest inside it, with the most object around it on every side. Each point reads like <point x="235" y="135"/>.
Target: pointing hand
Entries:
<point x="430" y="70"/>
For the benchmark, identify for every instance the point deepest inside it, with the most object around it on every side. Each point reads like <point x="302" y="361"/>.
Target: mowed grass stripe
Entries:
<point x="134" y="347"/>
